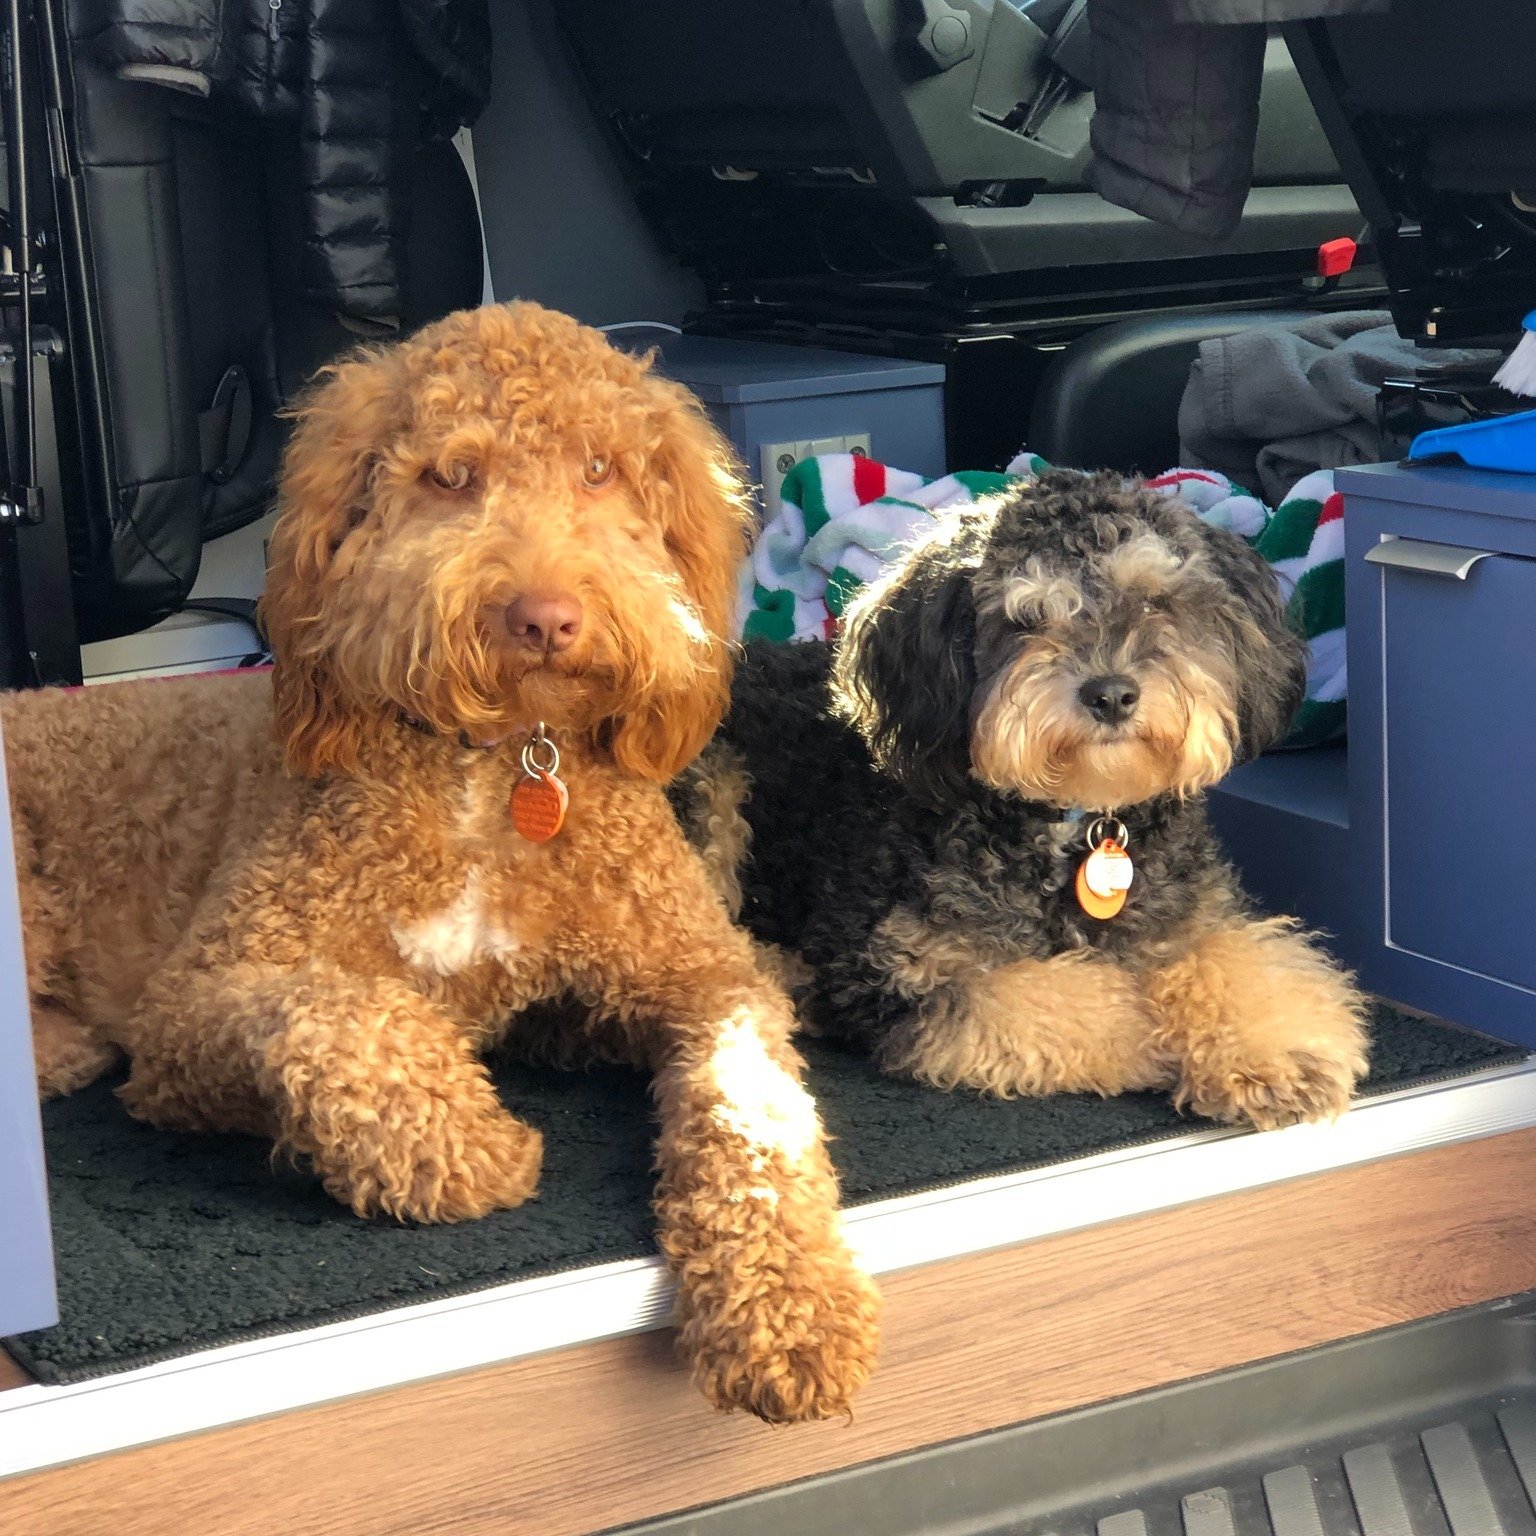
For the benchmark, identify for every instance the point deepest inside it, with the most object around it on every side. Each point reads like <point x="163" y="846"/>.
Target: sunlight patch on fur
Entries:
<point x="1143" y="564"/>
<point x="688" y="620"/>
<point x="759" y="1100"/>
<point x="758" y="1194"/>
<point x="1040" y="594"/>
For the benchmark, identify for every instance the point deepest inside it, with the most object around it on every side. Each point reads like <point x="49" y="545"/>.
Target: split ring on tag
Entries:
<point x="1109" y="829"/>
<point x="540" y="798"/>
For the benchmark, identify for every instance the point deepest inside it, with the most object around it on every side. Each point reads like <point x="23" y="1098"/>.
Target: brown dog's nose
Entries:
<point x="544" y="621"/>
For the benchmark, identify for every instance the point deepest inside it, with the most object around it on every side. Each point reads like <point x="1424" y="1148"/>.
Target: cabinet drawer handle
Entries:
<point x="1432" y="559"/>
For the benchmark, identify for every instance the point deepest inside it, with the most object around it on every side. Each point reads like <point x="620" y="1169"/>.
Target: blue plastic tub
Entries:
<point x="1506" y="442"/>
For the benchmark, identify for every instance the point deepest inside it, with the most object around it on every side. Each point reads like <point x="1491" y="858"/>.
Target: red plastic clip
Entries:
<point x="1336" y="257"/>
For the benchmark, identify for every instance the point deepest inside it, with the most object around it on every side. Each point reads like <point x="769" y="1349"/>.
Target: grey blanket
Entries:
<point x="1176" y="103"/>
<point x="1268" y="406"/>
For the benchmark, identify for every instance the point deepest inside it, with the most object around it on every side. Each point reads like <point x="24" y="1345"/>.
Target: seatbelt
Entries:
<point x="224" y="433"/>
<point x="1068" y="60"/>
<point x="1070" y="45"/>
<point x="224" y="429"/>
<point x="1036" y="55"/>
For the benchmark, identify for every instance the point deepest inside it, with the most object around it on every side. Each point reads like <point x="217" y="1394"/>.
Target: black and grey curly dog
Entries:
<point x="1082" y="648"/>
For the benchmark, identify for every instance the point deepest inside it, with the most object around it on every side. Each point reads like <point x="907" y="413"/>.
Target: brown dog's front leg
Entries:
<point x="376" y="1086"/>
<point x="776" y="1316"/>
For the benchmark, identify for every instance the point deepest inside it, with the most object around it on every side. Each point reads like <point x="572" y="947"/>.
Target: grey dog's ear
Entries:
<point x="905" y="669"/>
<point x="1271" y="658"/>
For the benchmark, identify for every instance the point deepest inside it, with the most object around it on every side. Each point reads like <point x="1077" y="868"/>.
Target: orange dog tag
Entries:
<point x="538" y="806"/>
<point x="540" y="798"/>
<point x="1103" y="879"/>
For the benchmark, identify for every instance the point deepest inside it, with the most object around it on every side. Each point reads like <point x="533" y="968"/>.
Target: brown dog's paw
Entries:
<point x="465" y="1171"/>
<point x="497" y="1170"/>
<point x="792" y="1353"/>
<point x="68" y="1054"/>
<point x="1286" y="1089"/>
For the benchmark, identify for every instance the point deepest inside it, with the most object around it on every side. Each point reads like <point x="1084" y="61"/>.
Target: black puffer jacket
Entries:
<point x="364" y="81"/>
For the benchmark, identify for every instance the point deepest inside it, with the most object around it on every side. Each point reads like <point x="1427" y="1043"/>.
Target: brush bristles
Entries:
<point x="1518" y="375"/>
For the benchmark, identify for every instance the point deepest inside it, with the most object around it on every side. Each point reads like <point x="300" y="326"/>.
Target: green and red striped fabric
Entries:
<point x="844" y="518"/>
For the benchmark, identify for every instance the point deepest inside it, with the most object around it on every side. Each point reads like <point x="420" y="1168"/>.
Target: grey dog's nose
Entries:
<point x="1109" y="699"/>
<point x="544" y="621"/>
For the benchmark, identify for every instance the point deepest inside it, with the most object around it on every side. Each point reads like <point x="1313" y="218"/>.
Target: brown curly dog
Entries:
<point x="313" y="934"/>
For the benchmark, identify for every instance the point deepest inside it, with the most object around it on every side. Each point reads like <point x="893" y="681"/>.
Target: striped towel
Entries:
<point x="845" y="518"/>
<point x="1304" y="542"/>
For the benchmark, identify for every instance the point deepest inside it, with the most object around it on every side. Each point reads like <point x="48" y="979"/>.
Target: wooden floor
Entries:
<point x="583" y="1439"/>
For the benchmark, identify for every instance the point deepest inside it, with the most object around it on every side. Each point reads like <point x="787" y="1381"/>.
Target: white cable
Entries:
<point x="642" y="325"/>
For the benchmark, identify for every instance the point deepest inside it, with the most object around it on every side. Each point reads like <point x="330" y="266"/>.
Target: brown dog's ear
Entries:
<point x="341" y="426"/>
<point x="704" y="509"/>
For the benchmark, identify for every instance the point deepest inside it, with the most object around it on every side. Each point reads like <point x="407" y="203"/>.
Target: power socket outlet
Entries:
<point x="777" y="461"/>
<point x="779" y="458"/>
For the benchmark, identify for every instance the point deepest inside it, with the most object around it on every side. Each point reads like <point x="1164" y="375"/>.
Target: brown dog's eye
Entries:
<point x="457" y="477"/>
<point x="356" y="517"/>
<point x="598" y="470"/>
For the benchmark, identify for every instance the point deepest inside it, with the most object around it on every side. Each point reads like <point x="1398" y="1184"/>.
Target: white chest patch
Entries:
<point x="759" y="1100"/>
<point x="460" y="936"/>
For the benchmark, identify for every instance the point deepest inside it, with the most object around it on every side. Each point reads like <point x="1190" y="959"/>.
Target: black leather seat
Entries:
<point x="185" y="332"/>
<point x="1110" y="399"/>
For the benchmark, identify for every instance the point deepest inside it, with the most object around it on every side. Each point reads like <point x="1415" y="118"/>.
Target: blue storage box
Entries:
<point x="800" y="401"/>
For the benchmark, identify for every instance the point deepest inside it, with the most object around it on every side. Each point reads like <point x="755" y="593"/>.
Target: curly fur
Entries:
<point x="314" y="933"/>
<point x="916" y="813"/>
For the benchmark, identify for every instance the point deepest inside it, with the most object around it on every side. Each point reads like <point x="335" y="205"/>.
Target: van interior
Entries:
<point x="866" y="228"/>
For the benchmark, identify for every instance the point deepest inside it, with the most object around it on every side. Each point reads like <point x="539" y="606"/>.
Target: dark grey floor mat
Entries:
<point x="169" y="1243"/>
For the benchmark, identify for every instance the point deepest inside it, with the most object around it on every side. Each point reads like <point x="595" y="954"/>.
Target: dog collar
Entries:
<point x="416" y="723"/>
<point x="1094" y="820"/>
<point x="540" y="798"/>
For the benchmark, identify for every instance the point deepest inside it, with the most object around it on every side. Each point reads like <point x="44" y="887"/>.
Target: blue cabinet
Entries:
<point x="1441" y="573"/>
<point x="810" y="400"/>
<point x="26" y="1243"/>
<point x="1411" y="849"/>
<point x="1459" y="672"/>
